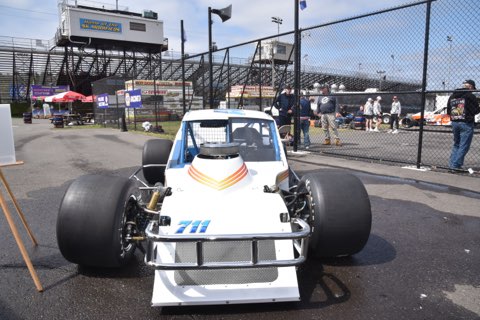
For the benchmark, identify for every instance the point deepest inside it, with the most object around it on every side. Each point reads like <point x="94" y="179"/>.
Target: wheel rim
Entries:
<point x="128" y="225"/>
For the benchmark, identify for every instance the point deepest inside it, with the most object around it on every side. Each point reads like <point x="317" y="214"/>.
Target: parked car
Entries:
<point x="437" y="117"/>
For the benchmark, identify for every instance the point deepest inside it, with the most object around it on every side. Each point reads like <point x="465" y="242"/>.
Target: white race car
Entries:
<point x="217" y="212"/>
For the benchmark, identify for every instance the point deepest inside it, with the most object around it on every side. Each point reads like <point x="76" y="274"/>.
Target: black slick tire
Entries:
<point x="155" y="151"/>
<point x="340" y="213"/>
<point x="91" y="221"/>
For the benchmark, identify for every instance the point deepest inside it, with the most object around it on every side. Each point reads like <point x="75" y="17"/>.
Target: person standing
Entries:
<point x="284" y="104"/>
<point x="462" y="106"/>
<point x="395" y="114"/>
<point x="305" y="111"/>
<point x="377" y="113"/>
<point x="368" y="113"/>
<point x="327" y="109"/>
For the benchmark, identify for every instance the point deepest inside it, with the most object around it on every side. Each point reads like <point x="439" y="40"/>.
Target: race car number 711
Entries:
<point x="203" y="224"/>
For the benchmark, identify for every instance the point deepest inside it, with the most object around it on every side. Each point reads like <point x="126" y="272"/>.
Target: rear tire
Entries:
<point x="407" y="122"/>
<point x="340" y="213"/>
<point x="156" y="152"/>
<point x="92" y="218"/>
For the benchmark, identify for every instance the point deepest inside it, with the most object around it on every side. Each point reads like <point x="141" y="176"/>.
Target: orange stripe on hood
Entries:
<point x="227" y="182"/>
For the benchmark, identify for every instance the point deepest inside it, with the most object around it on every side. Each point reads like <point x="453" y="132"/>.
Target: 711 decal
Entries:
<point x="199" y="226"/>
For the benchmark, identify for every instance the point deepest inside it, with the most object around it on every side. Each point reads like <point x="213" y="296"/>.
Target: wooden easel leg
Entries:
<point x="20" y="213"/>
<point x="19" y="241"/>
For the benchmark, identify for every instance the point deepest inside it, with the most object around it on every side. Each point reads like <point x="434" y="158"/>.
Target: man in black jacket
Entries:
<point x="462" y="106"/>
<point x="284" y="104"/>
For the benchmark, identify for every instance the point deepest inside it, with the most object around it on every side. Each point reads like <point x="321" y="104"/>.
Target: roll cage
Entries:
<point x="257" y="138"/>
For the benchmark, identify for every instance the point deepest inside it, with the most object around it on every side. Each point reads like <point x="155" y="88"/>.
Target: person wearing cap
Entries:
<point x="377" y="112"/>
<point x="395" y="114"/>
<point x="368" y="113"/>
<point x="284" y="104"/>
<point x="328" y="110"/>
<point x="462" y="106"/>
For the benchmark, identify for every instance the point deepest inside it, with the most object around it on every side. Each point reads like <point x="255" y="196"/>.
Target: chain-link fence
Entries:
<point x="413" y="53"/>
<point x="419" y="52"/>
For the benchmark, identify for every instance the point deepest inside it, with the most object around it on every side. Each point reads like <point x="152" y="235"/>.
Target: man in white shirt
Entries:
<point x="395" y="114"/>
<point x="377" y="112"/>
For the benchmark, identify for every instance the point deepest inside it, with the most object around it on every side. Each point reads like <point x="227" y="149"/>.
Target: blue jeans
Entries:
<point x="305" y="126"/>
<point x="462" y="138"/>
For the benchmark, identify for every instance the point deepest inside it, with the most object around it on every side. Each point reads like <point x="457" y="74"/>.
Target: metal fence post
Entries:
<point x="424" y="82"/>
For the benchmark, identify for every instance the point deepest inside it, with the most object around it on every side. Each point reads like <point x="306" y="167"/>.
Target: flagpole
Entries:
<point x="210" y="64"/>
<point x="183" y="66"/>
<point x="296" y="86"/>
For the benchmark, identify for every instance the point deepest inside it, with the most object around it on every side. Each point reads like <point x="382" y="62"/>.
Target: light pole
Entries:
<point x="278" y="21"/>
<point x="273" y="45"/>
<point x="450" y="40"/>
<point x="305" y="58"/>
<point x="224" y="14"/>
<point x="272" y="62"/>
<point x="359" y="67"/>
<point x="304" y="35"/>
<point x="381" y="74"/>
<point x="393" y="64"/>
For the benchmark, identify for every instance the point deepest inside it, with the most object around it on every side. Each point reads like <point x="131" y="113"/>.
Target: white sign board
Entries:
<point x="7" y="149"/>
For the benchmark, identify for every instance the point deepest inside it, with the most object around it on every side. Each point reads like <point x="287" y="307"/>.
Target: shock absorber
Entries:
<point x="158" y="194"/>
<point x="152" y="205"/>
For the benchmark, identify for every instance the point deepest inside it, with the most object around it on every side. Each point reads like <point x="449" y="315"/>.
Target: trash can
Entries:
<point x="57" y="122"/>
<point x="27" y="117"/>
<point x="123" y="124"/>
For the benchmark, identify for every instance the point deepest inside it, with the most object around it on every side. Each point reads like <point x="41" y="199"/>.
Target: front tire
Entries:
<point x="156" y="152"/>
<point x="340" y="213"/>
<point x="91" y="222"/>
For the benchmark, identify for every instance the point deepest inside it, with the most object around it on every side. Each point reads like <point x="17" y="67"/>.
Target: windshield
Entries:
<point x="256" y="137"/>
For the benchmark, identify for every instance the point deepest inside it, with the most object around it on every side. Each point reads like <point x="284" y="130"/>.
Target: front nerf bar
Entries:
<point x="153" y="237"/>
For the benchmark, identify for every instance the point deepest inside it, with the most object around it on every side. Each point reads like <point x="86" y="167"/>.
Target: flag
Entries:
<point x="303" y="4"/>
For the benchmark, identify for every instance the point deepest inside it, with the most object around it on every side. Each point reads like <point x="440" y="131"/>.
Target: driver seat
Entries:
<point x="247" y="134"/>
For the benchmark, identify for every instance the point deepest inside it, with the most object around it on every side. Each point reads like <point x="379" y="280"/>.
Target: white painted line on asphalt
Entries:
<point x="415" y="168"/>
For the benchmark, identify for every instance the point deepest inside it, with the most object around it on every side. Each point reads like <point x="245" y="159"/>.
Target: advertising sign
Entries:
<point x="98" y="25"/>
<point x="133" y="98"/>
<point x="39" y="91"/>
<point x="102" y="101"/>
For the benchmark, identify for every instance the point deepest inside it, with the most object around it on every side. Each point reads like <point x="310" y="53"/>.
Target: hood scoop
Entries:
<point x="219" y="166"/>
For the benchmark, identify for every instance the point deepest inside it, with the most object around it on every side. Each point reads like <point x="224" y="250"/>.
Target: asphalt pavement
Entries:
<point x="422" y="260"/>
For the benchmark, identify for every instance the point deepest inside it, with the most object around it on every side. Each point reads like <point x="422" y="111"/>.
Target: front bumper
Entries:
<point x="162" y="255"/>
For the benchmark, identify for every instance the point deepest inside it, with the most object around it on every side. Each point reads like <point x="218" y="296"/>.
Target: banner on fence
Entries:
<point x="133" y="98"/>
<point x="102" y="100"/>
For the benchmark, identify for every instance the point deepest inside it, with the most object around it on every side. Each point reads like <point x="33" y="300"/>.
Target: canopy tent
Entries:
<point x="67" y="96"/>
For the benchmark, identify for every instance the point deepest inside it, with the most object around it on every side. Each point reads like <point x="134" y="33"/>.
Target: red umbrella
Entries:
<point x="67" y="96"/>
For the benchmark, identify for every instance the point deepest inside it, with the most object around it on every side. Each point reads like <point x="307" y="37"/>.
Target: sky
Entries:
<point x="251" y="19"/>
